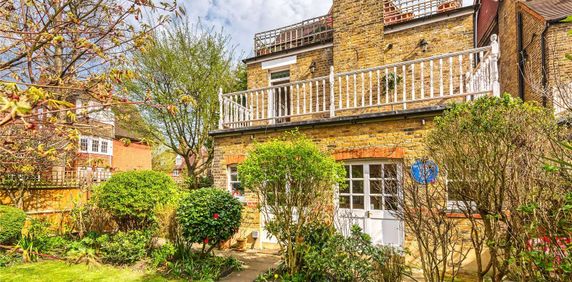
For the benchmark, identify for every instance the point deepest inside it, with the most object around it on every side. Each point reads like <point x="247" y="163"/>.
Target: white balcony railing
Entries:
<point x="405" y="85"/>
<point x="396" y="11"/>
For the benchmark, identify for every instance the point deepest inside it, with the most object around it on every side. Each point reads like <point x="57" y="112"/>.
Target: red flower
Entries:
<point x="206" y="240"/>
<point x="216" y="216"/>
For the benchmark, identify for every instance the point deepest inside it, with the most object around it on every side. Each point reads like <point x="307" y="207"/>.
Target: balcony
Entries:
<point x="320" y="29"/>
<point x="398" y="11"/>
<point x="308" y="32"/>
<point x="406" y="85"/>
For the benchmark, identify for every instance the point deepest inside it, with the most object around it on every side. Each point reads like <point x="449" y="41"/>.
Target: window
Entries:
<point x="175" y="172"/>
<point x="104" y="145"/>
<point x="83" y="144"/>
<point x="457" y="195"/>
<point x="234" y="183"/>
<point x="95" y="145"/>
<point x="372" y="186"/>
<point x="282" y="99"/>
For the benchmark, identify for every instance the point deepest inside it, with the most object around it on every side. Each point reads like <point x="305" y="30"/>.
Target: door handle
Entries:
<point x="368" y="214"/>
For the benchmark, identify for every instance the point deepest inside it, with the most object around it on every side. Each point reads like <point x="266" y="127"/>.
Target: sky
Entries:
<point x="241" y="19"/>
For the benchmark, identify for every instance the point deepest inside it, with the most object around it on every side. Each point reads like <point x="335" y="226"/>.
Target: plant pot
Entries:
<point x="241" y="244"/>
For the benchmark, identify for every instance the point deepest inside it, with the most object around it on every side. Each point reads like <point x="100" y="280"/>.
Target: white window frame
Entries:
<point x="366" y="179"/>
<point x="90" y="140"/>
<point x="455" y="205"/>
<point x="230" y="182"/>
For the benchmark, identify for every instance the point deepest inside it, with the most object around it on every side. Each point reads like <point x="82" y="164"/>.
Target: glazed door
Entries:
<point x="370" y="199"/>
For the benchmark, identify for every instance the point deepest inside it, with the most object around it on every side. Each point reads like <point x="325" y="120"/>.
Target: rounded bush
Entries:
<point x="133" y="198"/>
<point x="209" y="216"/>
<point x="11" y="224"/>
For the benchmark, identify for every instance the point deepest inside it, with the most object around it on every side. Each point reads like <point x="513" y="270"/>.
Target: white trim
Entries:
<point x="90" y="150"/>
<point x="432" y="19"/>
<point x="281" y="62"/>
<point x="300" y="51"/>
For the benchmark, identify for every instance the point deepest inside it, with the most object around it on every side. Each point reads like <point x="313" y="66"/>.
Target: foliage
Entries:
<point x="390" y="81"/>
<point x="352" y="258"/>
<point x="11" y="224"/>
<point x="492" y="151"/>
<point x="125" y="247"/>
<point x="132" y="198"/>
<point x="8" y="259"/>
<point x="203" y="268"/>
<point x="162" y="255"/>
<point x="209" y="216"/>
<point x="87" y="217"/>
<point x="290" y="176"/>
<point x="88" y="249"/>
<point x="182" y="69"/>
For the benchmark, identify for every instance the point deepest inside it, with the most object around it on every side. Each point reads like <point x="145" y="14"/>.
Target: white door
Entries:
<point x="370" y="199"/>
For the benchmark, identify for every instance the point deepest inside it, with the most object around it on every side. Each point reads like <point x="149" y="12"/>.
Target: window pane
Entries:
<point x="233" y="169"/>
<point x="391" y="187"/>
<point x="83" y="144"/>
<point x="357" y="171"/>
<point x="280" y="74"/>
<point x="345" y="189"/>
<point x="357" y="186"/>
<point x="104" y="147"/>
<point x="347" y="167"/>
<point x="237" y="189"/>
<point x="375" y="171"/>
<point x="344" y="202"/>
<point x="391" y="203"/>
<point x="376" y="202"/>
<point x="375" y="187"/>
<point x="357" y="202"/>
<point x="390" y="171"/>
<point x="95" y="145"/>
<point x="233" y="177"/>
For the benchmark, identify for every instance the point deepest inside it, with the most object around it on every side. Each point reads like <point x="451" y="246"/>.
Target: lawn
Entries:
<point x="48" y="271"/>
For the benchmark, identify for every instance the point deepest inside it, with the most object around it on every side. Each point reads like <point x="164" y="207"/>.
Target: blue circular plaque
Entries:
<point x="424" y="172"/>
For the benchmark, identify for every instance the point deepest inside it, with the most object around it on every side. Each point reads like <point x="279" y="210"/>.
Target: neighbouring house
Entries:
<point x="365" y="82"/>
<point x="108" y="145"/>
<point x="534" y="43"/>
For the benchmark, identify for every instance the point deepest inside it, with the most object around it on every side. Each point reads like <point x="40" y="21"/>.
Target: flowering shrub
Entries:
<point x="209" y="216"/>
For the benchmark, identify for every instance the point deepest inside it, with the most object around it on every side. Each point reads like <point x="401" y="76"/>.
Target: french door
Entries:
<point x="370" y="199"/>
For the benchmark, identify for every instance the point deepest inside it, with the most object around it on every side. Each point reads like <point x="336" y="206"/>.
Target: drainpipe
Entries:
<point x="543" y="64"/>
<point x="520" y="57"/>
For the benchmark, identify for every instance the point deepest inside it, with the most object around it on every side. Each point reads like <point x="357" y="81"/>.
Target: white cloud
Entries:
<point x="243" y="18"/>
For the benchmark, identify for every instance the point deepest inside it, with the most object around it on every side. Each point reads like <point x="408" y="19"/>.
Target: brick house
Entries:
<point x="364" y="82"/>
<point x="534" y="43"/>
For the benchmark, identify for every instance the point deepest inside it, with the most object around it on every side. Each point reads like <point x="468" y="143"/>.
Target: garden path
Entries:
<point x="255" y="262"/>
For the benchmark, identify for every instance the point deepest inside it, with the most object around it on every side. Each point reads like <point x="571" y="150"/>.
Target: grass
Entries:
<point x="48" y="271"/>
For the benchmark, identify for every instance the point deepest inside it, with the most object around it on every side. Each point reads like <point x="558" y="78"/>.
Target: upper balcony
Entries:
<point x="321" y="29"/>
<point x="417" y="84"/>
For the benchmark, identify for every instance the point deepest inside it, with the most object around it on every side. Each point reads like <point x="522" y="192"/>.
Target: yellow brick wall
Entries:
<point x="508" y="60"/>
<point x="531" y="37"/>
<point x="558" y="44"/>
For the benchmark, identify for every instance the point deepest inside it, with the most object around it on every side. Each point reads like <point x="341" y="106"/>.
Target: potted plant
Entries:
<point x="241" y="240"/>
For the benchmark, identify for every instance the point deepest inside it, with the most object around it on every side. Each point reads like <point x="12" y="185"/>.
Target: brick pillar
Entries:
<point x="358" y="35"/>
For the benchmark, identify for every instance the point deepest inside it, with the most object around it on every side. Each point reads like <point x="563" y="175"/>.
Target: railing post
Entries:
<point x="332" y="94"/>
<point x="271" y="106"/>
<point x="495" y="54"/>
<point x="221" y="114"/>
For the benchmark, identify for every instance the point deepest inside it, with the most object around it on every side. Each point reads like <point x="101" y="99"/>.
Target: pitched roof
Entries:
<point x="551" y="10"/>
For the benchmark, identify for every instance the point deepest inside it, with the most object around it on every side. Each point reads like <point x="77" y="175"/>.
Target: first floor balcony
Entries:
<point x="405" y="85"/>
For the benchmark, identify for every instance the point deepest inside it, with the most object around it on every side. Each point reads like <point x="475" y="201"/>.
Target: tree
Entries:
<point x="492" y="151"/>
<point x="439" y="238"/>
<point x="294" y="183"/>
<point x="53" y="52"/>
<point x="182" y="69"/>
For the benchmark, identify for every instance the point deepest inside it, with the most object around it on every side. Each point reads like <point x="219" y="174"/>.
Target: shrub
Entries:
<point x="132" y="198"/>
<point x="209" y="216"/>
<point x="291" y="175"/>
<point x="125" y="247"/>
<point x="352" y="258"/>
<point x="204" y="268"/>
<point x="163" y="254"/>
<point x="11" y="224"/>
